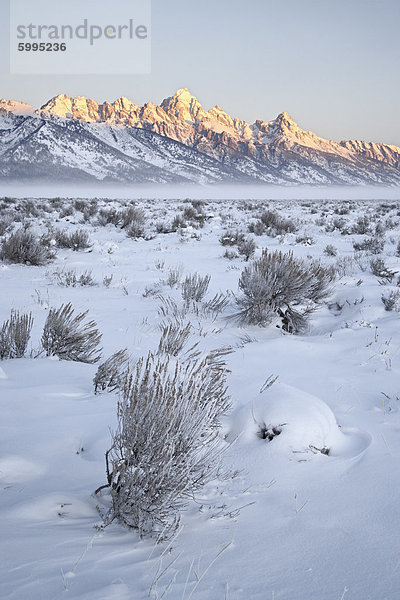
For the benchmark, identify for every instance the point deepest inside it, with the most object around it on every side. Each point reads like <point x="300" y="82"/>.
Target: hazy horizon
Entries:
<point x="202" y="192"/>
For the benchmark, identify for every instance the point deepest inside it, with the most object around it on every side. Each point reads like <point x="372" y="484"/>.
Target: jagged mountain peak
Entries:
<point x="58" y="97"/>
<point x="285" y="131"/>
<point x="285" y="122"/>
<point x="284" y="116"/>
<point x="183" y="105"/>
<point x="124" y="101"/>
<point x="59" y="102"/>
<point x="217" y="110"/>
<point x="56" y="100"/>
<point x="87" y="109"/>
<point x="15" y="107"/>
<point x="80" y="107"/>
<point x="183" y="95"/>
<point x="183" y="92"/>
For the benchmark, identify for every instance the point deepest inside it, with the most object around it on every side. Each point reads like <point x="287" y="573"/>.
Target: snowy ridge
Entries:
<point x="276" y="151"/>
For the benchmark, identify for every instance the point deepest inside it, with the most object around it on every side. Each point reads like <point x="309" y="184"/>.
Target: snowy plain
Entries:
<point x="289" y="522"/>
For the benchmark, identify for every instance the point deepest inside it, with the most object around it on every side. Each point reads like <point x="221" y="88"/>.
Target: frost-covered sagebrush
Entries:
<point x="174" y="276"/>
<point x="64" y="335"/>
<point x="194" y="287"/>
<point x="379" y="269"/>
<point x="25" y="247"/>
<point x="174" y="337"/>
<point x="374" y="245"/>
<point x="273" y="224"/>
<point x="15" y="334"/>
<point x="278" y="284"/>
<point x="247" y="248"/>
<point x="70" y="278"/>
<point x="133" y="221"/>
<point x="362" y="226"/>
<point x="76" y="240"/>
<point x="166" y="445"/>
<point x="330" y="250"/>
<point x="231" y="238"/>
<point x="110" y="373"/>
<point x="392" y="300"/>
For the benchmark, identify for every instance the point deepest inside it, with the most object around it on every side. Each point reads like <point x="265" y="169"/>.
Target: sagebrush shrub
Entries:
<point x="247" y="248"/>
<point x="362" y="226"/>
<point x="342" y="210"/>
<point x="174" y="276"/>
<point x="379" y="269"/>
<point x="67" y="211"/>
<point x="272" y="220"/>
<point x="174" y="337"/>
<point x="172" y="311"/>
<point x="76" y="240"/>
<point x="330" y="250"/>
<point x="107" y="279"/>
<point x="273" y="224"/>
<point x="305" y="239"/>
<point x="162" y="227"/>
<point x="231" y="238"/>
<point x="64" y="335"/>
<point x="133" y="221"/>
<point x="108" y="216"/>
<point x="338" y="223"/>
<point x="279" y="284"/>
<point x="372" y="245"/>
<point x="15" y="334"/>
<point x="213" y="307"/>
<point x="257" y="227"/>
<point x="390" y="223"/>
<point x="392" y="301"/>
<point x="90" y="211"/>
<point x="194" y="215"/>
<point x="110" y="373"/>
<point x="24" y="247"/>
<point x="5" y="223"/>
<point x="80" y="205"/>
<point x="194" y="287"/>
<point x="70" y="278"/>
<point x="198" y="205"/>
<point x="166" y="445"/>
<point x="178" y="222"/>
<point x="380" y="228"/>
<point x="230" y="254"/>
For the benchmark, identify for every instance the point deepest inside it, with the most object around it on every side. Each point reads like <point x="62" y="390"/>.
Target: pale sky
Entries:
<point x="333" y="65"/>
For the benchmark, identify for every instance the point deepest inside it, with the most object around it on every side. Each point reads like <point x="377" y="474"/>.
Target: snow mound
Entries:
<point x="291" y="421"/>
<point x="17" y="469"/>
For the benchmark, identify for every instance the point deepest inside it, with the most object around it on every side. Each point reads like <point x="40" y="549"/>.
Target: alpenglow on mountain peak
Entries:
<point x="181" y="105"/>
<point x="277" y="151"/>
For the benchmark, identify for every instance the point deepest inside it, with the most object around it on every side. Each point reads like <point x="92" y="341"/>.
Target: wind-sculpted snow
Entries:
<point x="296" y="424"/>
<point x="305" y="503"/>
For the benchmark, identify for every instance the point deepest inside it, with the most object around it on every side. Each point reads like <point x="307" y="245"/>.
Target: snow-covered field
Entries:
<point x="289" y="522"/>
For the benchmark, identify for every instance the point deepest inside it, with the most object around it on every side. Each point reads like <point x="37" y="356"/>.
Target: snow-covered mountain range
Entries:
<point x="177" y="141"/>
